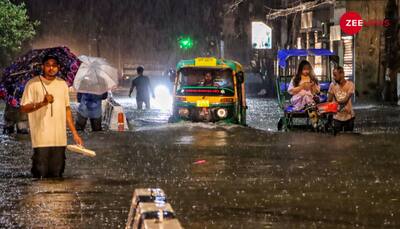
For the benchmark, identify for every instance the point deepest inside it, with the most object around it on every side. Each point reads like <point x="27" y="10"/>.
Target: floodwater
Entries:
<point x="250" y="177"/>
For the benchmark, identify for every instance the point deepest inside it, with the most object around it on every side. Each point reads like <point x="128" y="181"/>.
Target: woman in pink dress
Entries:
<point x="303" y="87"/>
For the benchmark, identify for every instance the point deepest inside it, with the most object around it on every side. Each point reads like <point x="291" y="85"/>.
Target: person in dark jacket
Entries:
<point x="143" y="89"/>
<point x="89" y="108"/>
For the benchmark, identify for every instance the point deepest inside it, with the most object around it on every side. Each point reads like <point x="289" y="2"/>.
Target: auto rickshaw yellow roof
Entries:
<point x="209" y="62"/>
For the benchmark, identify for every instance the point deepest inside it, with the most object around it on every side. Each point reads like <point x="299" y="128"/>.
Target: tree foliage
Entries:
<point x="15" y="28"/>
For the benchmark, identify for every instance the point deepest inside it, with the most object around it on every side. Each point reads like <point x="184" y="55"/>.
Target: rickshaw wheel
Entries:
<point x="280" y="124"/>
<point x="289" y="122"/>
<point x="331" y="125"/>
<point x="333" y="129"/>
<point x="328" y="124"/>
<point x="283" y="124"/>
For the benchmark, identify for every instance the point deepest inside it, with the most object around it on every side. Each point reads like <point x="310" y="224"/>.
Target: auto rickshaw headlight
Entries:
<point x="222" y="113"/>
<point x="183" y="112"/>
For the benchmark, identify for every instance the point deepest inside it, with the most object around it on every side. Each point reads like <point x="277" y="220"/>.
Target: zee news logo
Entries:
<point x="351" y="23"/>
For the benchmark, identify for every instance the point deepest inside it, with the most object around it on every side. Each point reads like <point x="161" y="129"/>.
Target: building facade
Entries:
<point x="370" y="58"/>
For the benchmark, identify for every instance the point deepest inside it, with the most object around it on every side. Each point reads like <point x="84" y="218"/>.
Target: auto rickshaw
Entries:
<point x="317" y="117"/>
<point x="208" y="89"/>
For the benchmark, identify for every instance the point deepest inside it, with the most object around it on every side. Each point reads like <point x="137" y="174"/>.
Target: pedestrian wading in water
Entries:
<point x="341" y="91"/>
<point x="143" y="89"/>
<point x="46" y="100"/>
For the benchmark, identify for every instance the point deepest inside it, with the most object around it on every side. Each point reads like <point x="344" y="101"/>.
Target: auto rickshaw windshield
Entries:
<point x="195" y="77"/>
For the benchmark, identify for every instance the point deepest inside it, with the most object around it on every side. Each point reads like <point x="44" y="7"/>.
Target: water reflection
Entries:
<point x="52" y="202"/>
<point x="210" y="164"/>
<point x="247" y="178"/>
<point x="204" y="138"/>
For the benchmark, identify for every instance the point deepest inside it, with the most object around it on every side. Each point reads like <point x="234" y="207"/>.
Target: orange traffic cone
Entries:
<point x="121" y="122"/>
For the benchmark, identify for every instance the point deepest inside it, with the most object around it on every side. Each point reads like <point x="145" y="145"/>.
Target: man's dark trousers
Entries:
<point x="140" y="101"/>
<point x="48" y="162"/>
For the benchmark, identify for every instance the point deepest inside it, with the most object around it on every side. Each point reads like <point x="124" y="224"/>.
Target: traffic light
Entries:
<point x="185" y="42"/>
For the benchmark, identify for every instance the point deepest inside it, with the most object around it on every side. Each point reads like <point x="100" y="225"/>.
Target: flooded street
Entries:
<point x="252" y="177"/>
<point x="221" y="62"/>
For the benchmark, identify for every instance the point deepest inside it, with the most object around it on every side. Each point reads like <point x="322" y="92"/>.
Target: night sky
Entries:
<point x="137" y="31"/>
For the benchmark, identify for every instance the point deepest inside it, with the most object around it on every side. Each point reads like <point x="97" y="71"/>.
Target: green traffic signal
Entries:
<point x="185" y="42"/>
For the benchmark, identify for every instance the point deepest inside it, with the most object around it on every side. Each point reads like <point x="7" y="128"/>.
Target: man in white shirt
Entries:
<point x="46" y="100"/>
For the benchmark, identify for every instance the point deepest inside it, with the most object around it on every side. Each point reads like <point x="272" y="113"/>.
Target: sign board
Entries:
<point x="261" y="35"/>
<point x="205" y="62"/>
<point x="306" y="20"/>
<point x="348" y="57"/>
<point x="335" y="33"/>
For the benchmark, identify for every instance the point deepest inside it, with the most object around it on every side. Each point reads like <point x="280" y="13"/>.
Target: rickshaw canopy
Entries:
<point x="284" y="54"/>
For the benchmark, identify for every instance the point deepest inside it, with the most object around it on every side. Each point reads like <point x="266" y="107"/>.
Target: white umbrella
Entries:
<point x="95" y="76"/>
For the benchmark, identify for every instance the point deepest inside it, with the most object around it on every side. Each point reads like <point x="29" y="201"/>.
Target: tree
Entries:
<point x="15" y="28"/>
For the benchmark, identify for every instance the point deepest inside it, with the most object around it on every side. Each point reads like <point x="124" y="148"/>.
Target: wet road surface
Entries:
<point x="253" y="177"/>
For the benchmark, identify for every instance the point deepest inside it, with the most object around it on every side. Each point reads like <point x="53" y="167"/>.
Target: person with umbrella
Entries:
<point x="46" y="100"/>
<point x="93" y="80"/>
<point x="89" y="108"/>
